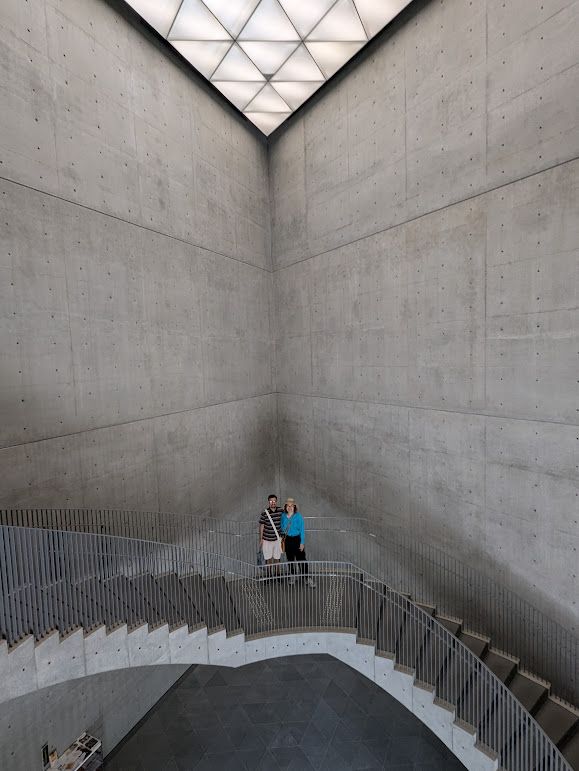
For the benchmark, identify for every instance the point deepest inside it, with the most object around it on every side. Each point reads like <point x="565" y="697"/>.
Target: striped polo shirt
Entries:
<point x="268" y="531"/>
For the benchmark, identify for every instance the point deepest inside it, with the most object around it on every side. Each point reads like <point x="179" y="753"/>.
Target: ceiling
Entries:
<point x="268" y="56"/>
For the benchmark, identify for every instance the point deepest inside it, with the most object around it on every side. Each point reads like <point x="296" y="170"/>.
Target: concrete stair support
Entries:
<point x="29" y="667"/>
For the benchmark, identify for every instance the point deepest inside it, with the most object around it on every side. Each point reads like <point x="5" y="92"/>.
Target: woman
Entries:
<point x="292" y="526"/>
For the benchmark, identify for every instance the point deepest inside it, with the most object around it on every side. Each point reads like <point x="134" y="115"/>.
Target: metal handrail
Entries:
<point x="53" y="579"/>
<point x="410" y="566"/>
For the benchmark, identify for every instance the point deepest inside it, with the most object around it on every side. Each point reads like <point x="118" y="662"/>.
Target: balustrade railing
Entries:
<point x="52" y="579"/>
<point x="425" y="572"/>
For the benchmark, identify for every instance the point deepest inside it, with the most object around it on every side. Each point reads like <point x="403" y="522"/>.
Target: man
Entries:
<point x="270" y="534"/>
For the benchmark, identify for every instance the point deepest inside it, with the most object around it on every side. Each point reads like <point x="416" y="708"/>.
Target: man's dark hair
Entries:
<point x="273" y="495"/>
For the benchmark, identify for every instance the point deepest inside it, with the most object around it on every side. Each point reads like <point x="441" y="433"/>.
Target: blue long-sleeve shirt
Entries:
<point x="293" y="525"/>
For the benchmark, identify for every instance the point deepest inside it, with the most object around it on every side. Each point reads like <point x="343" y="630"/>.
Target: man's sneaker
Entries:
<point x="311" y="583"/>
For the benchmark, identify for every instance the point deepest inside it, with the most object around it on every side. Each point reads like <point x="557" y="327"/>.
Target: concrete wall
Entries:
<point x="425" y="242"/>
<point x="58" y="715"/>
<point x="135" y="274"/>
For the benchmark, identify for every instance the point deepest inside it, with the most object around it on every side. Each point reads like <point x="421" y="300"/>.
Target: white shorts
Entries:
<point x="271" y="550"/>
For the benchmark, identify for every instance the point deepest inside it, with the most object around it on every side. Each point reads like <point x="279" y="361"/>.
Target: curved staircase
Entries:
<point x="52" y="580"/>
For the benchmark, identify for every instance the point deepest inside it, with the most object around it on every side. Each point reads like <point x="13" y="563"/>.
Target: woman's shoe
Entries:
<point x="311" y="583"/>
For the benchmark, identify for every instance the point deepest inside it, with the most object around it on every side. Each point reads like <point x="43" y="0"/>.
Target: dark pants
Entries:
<point x="293" y="554"/>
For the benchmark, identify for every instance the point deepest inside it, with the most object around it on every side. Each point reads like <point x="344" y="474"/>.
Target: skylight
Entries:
<point x="268" y="56"/>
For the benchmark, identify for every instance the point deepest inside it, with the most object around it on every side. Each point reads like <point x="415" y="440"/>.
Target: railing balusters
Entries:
<point x="43" y="573"/>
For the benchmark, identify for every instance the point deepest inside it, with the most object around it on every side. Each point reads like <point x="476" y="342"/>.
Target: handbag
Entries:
<point x="260" y="559"/>
<point x="281" y="541"/>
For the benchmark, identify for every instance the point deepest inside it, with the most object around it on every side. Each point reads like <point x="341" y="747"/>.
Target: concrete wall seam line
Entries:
<point x="424" y="214"/>
<point x="424" y="407"/>
<point x="135" y="224"/>
<point x="139" y="420"/>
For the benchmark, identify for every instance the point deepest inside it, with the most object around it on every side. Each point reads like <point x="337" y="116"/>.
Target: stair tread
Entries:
<point x="570" y="751"/>
<point x="453" y="625"/>
<point x="502" y="666"/>
<point x="430" y="609"/>
<point x="555" y="719"/>
<point x="528" y="691"/>
<point x="477" y="645"/>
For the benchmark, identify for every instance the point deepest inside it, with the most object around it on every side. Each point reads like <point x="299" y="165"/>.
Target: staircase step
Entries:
<point x="557" y="719"/>
<point x="181" y="609"/>
<point x="413" y="639"/>
<point x="503" y="666"/>
<point x="475" y="642"/>
<point x="193" y="585"/>
<point x="369" y="607"/>
<point x="454" y="677"/>
<point x="528" y="690"/>
<point x="454" y="625"/>
<point x="123" y="602"/>
<point x="433" y="658"/>
<point x="217" y="590"/>
<point x="570" y="751"/>
<point x="150" y="599"/>
<point x="391" y="625"/>
<point x="430" y="609"/>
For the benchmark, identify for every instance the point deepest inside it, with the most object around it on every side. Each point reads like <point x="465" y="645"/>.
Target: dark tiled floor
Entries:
<point x="303" y="712"/>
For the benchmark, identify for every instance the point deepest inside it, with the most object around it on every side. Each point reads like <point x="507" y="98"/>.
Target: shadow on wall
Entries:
<point x="336" y="467"/>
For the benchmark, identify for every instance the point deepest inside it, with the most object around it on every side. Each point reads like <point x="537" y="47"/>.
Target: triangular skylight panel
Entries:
<point x="269" y="22"/>
<point x="375" y="15"/>
<point x="295" y="94"/>
<point x="268" y="100"/>
<point x="237" y="66"/>
<point x="340" y="23"/>
<point x="267" y="56"/>
<point x="267" y="121"/>
<point x="332" y="56"/>
<point x="196" y="22"/>
<point x="305" y="15"/>
<point x="203" y="55"/>
<point x="239" y="92"/>
<point x="300" y="66"/>
<point x="233" y="14"/>
<point x="159" y="13"/>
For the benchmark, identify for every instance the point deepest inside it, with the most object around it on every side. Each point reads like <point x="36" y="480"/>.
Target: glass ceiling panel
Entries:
<point x="240" y="45"/>
<point x="267" y="121"/>
<point x="159" y="13"/>
<point x="331" y="56"/>
<point x="269" y="22"/>
<point x="203" y="55"/>
<point x="340" y="23"/>
<point x="240" y="93"/>
<point x="305" y="15"/>
<point x="233" y="14"/>
<point x="268" y="100"/>
<point x="375" y="15"/>
<point x="295" y="94"/>
<point x="268" y="57"/>
<point x="300" y="66"/>
<point x="196" y="22"/>
<point x="237" y="66"/>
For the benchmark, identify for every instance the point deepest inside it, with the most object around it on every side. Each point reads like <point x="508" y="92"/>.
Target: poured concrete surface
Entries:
<point x="134" y="274"/>
<point x="59" y="714"/>
<point x="306" y="712"/>
<point x="426" y="253"/>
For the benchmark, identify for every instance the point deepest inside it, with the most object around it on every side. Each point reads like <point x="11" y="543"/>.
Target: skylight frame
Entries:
<point x="295" y="27"/>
